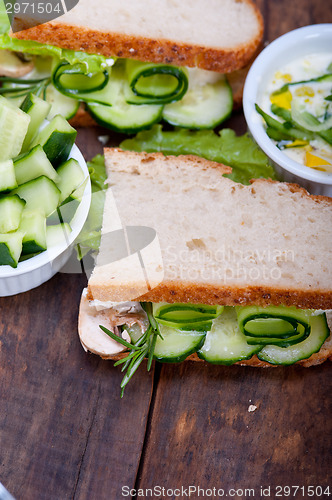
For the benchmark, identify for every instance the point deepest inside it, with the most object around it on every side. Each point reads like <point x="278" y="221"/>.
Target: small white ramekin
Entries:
<point x="295" y="44"/>
<point x="35" y="271"/>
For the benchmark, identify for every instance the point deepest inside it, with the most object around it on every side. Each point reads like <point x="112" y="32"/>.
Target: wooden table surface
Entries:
<point x="66" y="434"/>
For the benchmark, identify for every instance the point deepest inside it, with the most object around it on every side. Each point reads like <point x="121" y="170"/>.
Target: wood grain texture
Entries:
<point x="65" y="433"/>
<point x="208" y="436"/>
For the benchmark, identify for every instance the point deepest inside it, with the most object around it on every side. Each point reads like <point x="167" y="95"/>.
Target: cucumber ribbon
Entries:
<point x="72" y="80"/>
<point x="283" y="326"/>
<point x="154" y="83"/>
<point x="197" y="317"/>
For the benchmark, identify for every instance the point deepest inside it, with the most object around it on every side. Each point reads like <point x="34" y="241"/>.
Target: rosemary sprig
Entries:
<point x="142" y="348"/>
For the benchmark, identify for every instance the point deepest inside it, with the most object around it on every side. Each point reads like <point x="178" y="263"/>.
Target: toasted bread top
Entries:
<point x="218" y="36"/>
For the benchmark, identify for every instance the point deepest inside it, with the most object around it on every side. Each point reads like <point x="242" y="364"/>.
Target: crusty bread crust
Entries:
<point x="324" y="353"/>
<point x="230" y="296"/>
<point x="143" y="48"/>
<point x="315" y="359"/>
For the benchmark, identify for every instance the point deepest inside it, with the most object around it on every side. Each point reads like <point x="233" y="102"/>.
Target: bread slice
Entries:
<point x="215" y="241"/>
<point x="218" y="36"/>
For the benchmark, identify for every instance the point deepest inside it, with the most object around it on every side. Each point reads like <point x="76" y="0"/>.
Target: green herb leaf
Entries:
<point x="118" y="339"/>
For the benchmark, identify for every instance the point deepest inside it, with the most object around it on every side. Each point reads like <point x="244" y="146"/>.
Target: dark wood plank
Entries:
<point x="64" y="432"/>
<point x="282" y="16"/>
<point x="202" y="431"/>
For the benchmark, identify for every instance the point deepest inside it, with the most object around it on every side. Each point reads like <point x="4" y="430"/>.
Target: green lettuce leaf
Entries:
<point x="89" y="238"/>
<point x="239" y="152"/>
<point x="92" y="63"/>
<point x="4" y="21"/>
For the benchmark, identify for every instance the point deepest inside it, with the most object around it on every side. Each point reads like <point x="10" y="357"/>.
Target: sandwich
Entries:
<point x="195" y="266"/>
<point x="135" y="63"/>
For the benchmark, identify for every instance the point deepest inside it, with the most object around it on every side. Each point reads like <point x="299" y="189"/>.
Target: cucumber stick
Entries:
<point x="7" y="176"/>
<point x="10" y="248"/>
<point x="40" y="194"/>
<point x="70" y="177"/>
<point x="33" y="225"/>
<point x="57" y="139"/>
<point x="38" y="110"/>
<point x="14" y="125"/>
<point x="11" y="208"/>
<point x="34" y="164"/>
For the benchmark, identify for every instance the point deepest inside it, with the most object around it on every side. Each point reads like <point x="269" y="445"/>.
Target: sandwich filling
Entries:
<point x="166" y="332"/>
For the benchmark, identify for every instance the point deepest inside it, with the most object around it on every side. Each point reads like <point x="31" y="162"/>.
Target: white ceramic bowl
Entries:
<point x="295" y="44"/>
<point x="35" y="271"/>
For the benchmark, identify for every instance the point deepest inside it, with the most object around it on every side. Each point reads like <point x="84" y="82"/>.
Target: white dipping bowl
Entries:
<point x="35" y="271"/>
<point x="295" y="44"/>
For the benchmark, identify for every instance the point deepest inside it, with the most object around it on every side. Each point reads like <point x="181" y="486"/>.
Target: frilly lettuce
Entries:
<point x="239" y="152"/>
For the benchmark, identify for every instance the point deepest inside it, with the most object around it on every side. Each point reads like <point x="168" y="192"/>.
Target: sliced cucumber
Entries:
<point x="10" y="248"/>
<point x="71" y="177"/>
<point x="203" y="106"/>
<point x="34" y="164"/>
<point x="38" y="110"/>
<point x="61" y="104"/>
<point x="287" y="356"/>
<point x="126" y="118"/>
<point x="225" y="344"/>
<point x="33" y="225"/>
<point x="11" y="208"/>
<point x="119" y="115"/>
<point x="57" y="234"/>
<point x="40" y="194"/>
<point x="7" y="176"/>
<point x="14" y="125"/>
<point x="57" y="139"/>
<point x="66" y="211"/>
<point x="176" y="344"/>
